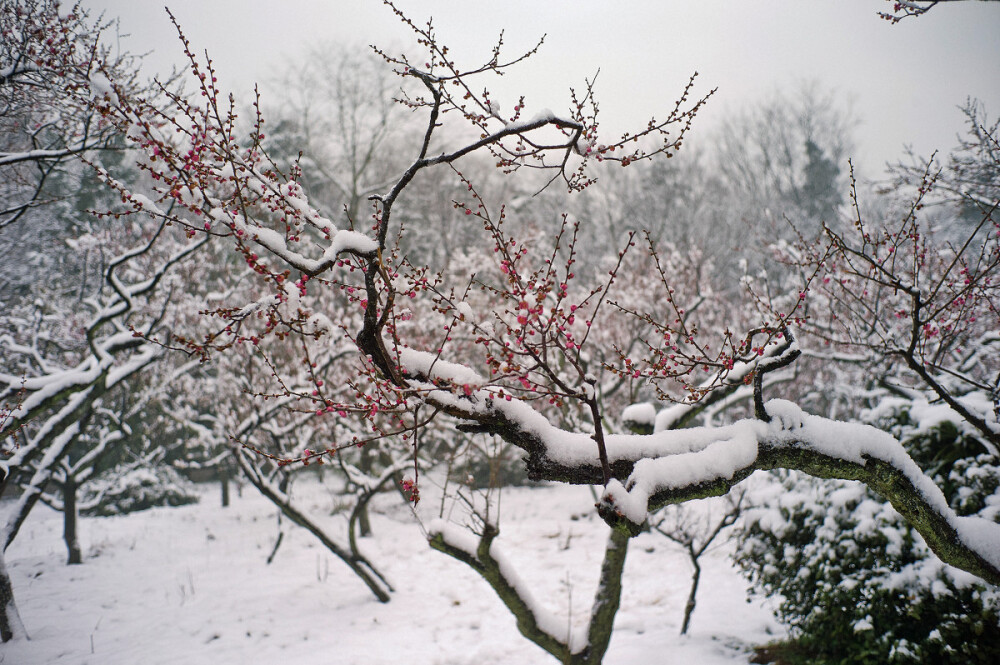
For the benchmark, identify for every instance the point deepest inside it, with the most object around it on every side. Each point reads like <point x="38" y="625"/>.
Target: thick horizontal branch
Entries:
<point x="654" y="470"/>
<point x="8" y="158"/>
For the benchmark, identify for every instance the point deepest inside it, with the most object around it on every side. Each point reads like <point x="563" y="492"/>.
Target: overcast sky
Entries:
<point x="905" y="81"/>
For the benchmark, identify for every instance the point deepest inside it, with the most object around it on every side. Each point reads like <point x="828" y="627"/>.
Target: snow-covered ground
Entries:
<point x="191" y="585"/>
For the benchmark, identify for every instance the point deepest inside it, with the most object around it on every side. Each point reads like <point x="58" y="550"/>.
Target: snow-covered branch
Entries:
<point x="485" y="556"/>
<point x="675" y="466"/>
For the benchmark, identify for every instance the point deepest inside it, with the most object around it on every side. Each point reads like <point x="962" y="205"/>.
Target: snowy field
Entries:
<point x="191" y="585"/>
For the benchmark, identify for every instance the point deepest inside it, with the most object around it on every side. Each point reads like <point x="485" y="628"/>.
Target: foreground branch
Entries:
<point x="533" y="621"/>
<point x="675" y="466"/>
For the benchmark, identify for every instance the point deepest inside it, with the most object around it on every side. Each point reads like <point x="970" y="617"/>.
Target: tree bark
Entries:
<point x="224" y="484"/>
<point x="602" y="613"/>
<point x="10" y="621"/>
<point x="364" y="523"/>
<point x="689" y="607"/>
<point x="607" y="599"/>
<point x="69" y="521"/>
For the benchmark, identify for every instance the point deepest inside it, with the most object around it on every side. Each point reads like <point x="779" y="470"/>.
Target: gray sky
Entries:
<point x="905" y="81"/>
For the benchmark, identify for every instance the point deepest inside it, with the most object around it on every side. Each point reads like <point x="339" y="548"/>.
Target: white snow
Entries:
<point x="543" y="116"/>
<point x="427" y="364"/>
<point x="190" y="584"/>
<point x="100" y="88"/>
<point x="349" y="241"/>
<point x="642" y="414"/>
<point x="719" y="459"/>
<point x="465" y="310"/>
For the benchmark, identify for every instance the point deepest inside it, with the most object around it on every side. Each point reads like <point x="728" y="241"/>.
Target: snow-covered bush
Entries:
<point x="128" y="491"/>
<point x="857" y="583"/>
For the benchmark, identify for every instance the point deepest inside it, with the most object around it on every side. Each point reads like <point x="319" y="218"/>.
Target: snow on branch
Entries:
<point x="484" y="556"/>
<point x="674" y="466"/>
<point x="820" y="447"/>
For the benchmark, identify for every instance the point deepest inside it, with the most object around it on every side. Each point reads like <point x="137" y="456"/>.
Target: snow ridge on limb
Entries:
<point x="823" y="448"/>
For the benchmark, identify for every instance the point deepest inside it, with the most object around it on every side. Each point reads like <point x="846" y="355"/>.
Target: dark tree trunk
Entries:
<point x="689" y="607"/>
<point x="10" y="620"/>
<point x="69" y="522"/>
<point x="224" y="483"/>
<point x="364" y="524"/>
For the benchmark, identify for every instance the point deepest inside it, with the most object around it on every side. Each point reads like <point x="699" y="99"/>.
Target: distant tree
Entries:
<point x="52" y="61"/>
<point x="965" y="182"/>
<point x="76" y="467"/>
<point x="338" y="120"/>
<point x="696" y="533"/>
<point x="786" y="157"/>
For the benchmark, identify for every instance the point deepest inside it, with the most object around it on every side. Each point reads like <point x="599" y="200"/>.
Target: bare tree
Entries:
<point x="338" y="120"/>
<point x="696" y="533"/>
<point x="52" y="60"/>
<point x="55" y="400"/>
<point x="786" y="157"/>
<point x="76" y="468"/>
